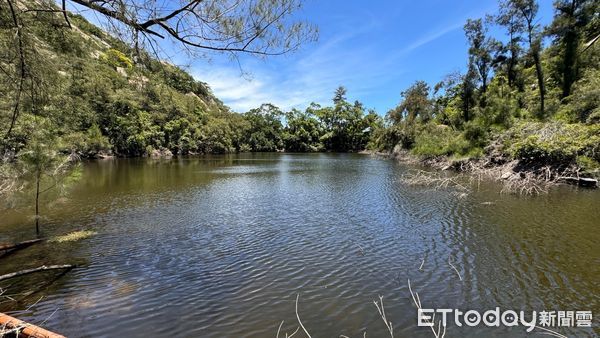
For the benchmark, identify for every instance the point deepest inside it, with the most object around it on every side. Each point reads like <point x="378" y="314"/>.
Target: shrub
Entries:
<point x="438" y="140"/>
<point x="116" y="59"/>
<point x="555" y="142"/>
<point x="475" y="134"/>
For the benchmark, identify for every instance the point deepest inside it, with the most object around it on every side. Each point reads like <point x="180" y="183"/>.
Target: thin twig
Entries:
<point x="439" y="333"/>
<point x="455" y="269"/>
<point x="298" y="316"/>
<point x="381" y="310"/>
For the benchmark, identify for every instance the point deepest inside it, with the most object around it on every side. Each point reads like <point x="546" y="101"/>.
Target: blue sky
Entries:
<point x="376" y="49"/>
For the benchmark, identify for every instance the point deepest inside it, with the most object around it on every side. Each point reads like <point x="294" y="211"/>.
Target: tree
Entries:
<point x="340" y="95"/>
<point x="415" y="104"/>
<point x="302" y="132"/>
<point x="480" y="48"/>
<point x="509" y="17"/>
<point x="571" y="17"/>
<point x="265" y="129"/>
<point x="527" y="12"/>
<point x="467" y="92"/>
<point x="45" y="166"/>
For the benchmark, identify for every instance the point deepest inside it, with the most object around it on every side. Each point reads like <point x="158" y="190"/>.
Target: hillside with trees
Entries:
<point x="531" y="95"/>
<point x="90" y="94"/>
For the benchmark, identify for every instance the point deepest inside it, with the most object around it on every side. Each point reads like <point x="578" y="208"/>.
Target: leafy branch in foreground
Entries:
<point x="262" y="27"/>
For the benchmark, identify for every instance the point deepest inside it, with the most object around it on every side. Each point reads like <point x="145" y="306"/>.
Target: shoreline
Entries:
<point x="515" y="175"/>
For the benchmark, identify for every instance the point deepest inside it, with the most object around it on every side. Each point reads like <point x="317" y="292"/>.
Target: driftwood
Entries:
<point x="20" y="245"/>
<point x="41" y="268"/>
<point x="581" y="181"/>
<point x="13" y="326"/>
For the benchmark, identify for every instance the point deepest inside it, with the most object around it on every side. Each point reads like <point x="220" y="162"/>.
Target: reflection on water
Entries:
<point x="220" y="246"/>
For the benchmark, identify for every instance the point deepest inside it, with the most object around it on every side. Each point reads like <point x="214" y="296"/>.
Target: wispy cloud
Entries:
<point x="353" y="59"/>
<point x="432" y="36"/>
<point x="311" y="77"/>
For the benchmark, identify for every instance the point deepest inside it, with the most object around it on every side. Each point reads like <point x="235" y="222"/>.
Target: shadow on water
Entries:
<point x="220" y="246"/>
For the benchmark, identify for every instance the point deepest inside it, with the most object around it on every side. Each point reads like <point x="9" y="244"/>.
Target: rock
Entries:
<point x="506" y="175"/>
<point x="162" y="153"/>
<point x="122" y="71"/>
<point x="104" y="155"/>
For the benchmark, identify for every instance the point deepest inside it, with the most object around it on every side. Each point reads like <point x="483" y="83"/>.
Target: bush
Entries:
<point x="588" y="164"/>
<point x="441" y="140"/>
<point x="555" y="142"/>
<point x="116" y="59"/>
<point x="475" y="134"/>
<point x="584" y="103"/>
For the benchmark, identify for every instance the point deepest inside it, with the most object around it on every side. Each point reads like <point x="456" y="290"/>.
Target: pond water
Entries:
<point x="221" y="246"/>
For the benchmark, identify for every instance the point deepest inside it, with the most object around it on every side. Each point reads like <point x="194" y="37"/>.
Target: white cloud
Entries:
<point x="297" y="82"/>
<point x="349" y="59"/>
<point x="432" y="36"/>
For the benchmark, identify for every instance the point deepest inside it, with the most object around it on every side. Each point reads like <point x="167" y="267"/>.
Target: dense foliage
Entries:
<point x="531" y="95"/>
<point x="97" y="96"/>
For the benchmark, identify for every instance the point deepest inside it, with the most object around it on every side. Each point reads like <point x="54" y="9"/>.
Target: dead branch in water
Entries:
<point x="298" y="316"/>
<point x="10" y="326"/>
<point x="433" y="179"/>
<point x="38" y="269"/>
<point x="299" y="323"/>
<point x="455" y="269"/>
<point x="528" y="182"/>
<point x="417" y="301"/>
<point x="527" y="185"/>
<point x="381" y="311"/>
<point x="20" y="245"/>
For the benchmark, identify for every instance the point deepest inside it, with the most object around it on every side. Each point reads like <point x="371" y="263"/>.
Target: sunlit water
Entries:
<point x="221" y="246"/>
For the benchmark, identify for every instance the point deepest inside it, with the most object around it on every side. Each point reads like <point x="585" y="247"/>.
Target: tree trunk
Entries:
<point x="19" y="328"/>
<point x="535" y="47"/>
<point x="37" y="204"/>
<point x="540" y="78"/>
<point x="570" y="60"/>
<point x="570" y="56"/>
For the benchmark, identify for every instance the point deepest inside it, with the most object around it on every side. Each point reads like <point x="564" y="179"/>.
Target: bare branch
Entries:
<point x="298" y="316"/>
<point x="252" y="27"/>
<point x="38" y="269"/>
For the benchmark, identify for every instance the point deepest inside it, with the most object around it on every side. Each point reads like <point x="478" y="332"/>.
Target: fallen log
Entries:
<point x="581" y="181"/>
<point x="13" y="326"/>
<point x="20" y="245"/>
<point x="41" y="268"/>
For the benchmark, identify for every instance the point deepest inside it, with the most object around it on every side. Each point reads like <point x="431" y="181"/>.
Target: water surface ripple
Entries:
<point x="220" y="246"/>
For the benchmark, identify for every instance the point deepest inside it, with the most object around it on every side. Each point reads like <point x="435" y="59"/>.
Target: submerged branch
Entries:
<point x="20" y="245"/>
<point x="435" y="180"/>
<point x="38" y="269"/>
